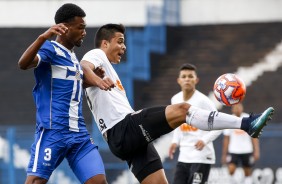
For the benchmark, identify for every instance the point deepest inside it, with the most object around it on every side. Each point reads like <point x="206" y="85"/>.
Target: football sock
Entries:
<point x="245" y="124"/>
<point x="211" y="120"/>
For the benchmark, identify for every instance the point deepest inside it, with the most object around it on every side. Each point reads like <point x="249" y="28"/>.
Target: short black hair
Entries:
<point x="107" y="32"/>
<point x="188" y="66"/>
<point x="68" y="12"/>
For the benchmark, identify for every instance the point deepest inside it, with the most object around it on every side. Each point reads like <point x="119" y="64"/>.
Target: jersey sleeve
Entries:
<point x="172" y="100"/>
<point x="46" y="53"/>
<point x="176" y="136"/>
<point x="211" y="136"/>
<point x="95" y="57"/>
<point x="176" y="98"/>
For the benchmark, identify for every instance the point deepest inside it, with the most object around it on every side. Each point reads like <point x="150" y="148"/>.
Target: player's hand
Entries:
<point x="200" y="145"/>
<point x="58" y="29"/>
<point x="99" y="71"/>
<point x="256" y="155"/>
<point x="172" y="150"/>
<point x="106" y="84"/>
<point x="109" y="82"/>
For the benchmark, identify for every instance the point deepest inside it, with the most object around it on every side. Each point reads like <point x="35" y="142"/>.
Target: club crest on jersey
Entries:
<point x="58" y="51"/>
<point x="77" y="75"/>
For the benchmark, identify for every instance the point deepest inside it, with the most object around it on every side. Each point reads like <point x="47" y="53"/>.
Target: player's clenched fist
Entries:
<point x="106" y="83"/>
<point x="58" y="29"/>
<point x="109" y="83"/>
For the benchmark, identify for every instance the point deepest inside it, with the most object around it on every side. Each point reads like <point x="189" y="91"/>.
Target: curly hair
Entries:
<point x="107" y="32"/>
<point x="68" y="12"/>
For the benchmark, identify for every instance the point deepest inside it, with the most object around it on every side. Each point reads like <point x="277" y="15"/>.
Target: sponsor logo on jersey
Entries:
<point x="102" y="125"/>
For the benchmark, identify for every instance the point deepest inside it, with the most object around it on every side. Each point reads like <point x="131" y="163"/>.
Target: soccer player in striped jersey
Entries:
<point x="60" y="128"/>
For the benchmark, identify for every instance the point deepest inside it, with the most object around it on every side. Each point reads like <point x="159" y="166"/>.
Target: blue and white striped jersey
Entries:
<point x="58" y="89"/>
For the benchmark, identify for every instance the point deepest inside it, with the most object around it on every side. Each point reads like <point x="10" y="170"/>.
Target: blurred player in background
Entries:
<point x="60" y="128"/>
<point x="195" y="145"/>
<point x="130" y="133"/>
<point x="239" y="149"/>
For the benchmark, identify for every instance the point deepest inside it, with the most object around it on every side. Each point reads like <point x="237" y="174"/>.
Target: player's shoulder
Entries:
<point x="48" y="49"/>
<point x="47" y="44"/>
<point x="178" y="97"/>
<point x="55" y="47"/>
<point x="96" y="54"/>
<point x="203" y="100"/>
<point x="95" y="51"/>
<point x="177" y="94"/>
<point x="201" y="96"/>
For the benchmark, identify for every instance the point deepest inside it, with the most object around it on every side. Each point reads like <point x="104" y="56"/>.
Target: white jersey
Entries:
<point x="186" y="136"/>
<point x="239" y="141"/>
<point x="107" y="107"/>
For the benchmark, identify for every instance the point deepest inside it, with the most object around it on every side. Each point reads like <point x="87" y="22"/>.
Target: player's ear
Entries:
<point x="197" y="80"/>
<point x="104" y="44"/>
<point x="178" y="80"/>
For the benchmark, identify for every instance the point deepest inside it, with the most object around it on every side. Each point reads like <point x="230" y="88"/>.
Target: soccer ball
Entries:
<point x="229" y="89"/>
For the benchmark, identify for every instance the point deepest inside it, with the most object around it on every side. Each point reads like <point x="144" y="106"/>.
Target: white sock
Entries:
<point x="211" y="120"/>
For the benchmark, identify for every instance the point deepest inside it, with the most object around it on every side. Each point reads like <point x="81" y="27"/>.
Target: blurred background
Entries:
<point x="218" y="36"/>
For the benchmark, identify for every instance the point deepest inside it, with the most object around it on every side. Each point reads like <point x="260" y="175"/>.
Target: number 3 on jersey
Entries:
<point x="48" y="153"/>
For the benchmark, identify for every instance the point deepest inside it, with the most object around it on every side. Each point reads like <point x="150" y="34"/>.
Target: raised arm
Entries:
<point x="92" y="79"/>
<point x="29" y="58"/>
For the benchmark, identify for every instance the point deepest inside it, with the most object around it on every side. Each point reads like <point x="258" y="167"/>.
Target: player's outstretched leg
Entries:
<point x="257" y="122"/>
<point x="213" y="120"/>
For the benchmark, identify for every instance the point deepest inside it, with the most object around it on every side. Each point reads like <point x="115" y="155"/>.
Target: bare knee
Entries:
<point x="35" y="180"/>
<point x="176" y="114"/>
<point x="184" y="106"/>
<point x="179" y="109"/>
<point x="231" y="168"/>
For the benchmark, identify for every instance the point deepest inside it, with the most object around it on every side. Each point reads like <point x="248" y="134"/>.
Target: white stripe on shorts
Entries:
<point x="37" y="152"/>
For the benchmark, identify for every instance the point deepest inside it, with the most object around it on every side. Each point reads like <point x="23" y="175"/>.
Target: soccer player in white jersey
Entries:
<point x="195" y="145"/>
<point x="130" y="133"/>
<point x="239" y="149"/>
<point x="60" y="128"/>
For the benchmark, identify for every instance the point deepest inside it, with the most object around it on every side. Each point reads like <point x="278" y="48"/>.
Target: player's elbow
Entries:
<point x="26" y="64"/>
<point x="85" y="85"/>
<point x="22" y="66"/>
